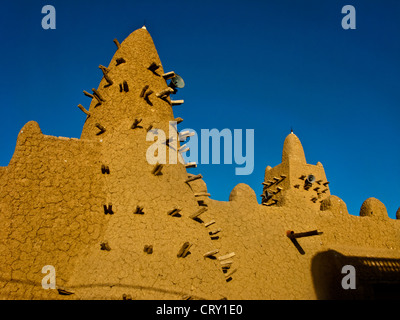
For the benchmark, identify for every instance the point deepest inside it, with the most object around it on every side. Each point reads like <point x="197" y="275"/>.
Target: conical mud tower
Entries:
<point x="115" y="225"/>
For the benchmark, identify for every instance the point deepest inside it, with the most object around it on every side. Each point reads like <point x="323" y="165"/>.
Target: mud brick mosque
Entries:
<point x="116" y="227"/>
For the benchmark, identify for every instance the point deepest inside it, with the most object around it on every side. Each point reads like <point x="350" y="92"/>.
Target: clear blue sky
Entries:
<point x="262" y="65"/>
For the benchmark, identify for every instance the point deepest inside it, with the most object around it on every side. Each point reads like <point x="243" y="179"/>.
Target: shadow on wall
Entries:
<point x="375" y="278"/>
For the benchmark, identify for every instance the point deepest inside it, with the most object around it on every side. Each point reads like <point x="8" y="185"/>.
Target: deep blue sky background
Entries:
<point x="263" y="65"/>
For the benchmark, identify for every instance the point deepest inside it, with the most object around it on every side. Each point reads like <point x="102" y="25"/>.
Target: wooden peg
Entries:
<point x="227" y="256"/>
<point x="226" y="262"/>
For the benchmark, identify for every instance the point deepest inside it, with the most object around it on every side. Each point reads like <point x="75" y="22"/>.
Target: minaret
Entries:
<point x="147" y="205"/>
<point x="293" y="150"/>
<point x="294" y="182"/>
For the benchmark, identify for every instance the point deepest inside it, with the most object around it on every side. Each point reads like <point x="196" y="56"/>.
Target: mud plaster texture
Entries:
<point x="53" y="193"/>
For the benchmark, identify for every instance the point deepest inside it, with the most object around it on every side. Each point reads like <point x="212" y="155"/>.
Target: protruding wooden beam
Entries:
<point x="144" y="91"/>
<point x="148" y="249"/>
<point x="101" y="128"/>
<point x="157" y="169"/>
<point x="154" y="66"/>
<point x="165" y="92"/>
<point x="168" y="75"/>
<point x="84" y="110"/>
<point x="87" y="94"/>
<point x="184" y="250"/>
<point x="177" y="102"/>
<point x="64" y="292"/>
<point x="178" y="120"/>
<point x="117" y="43"/>
<point x="196" y="177"/>
<point x="105" y="246"/>
<point x="292" y="235"/>
<point x="98" y="95"/>
<point x="105" y="169"/>
<point x="126" y="87"/>
<point x="210" y="253"/>
<point x="120" y="61"/>
<point x="139" y="210"/>
<point x="136" y="124"/>
<point x="105" y="74"/>
<point x="147" y="94"/>
<point x="209" y="223"/>
<point x="174" y="212"/>
<point x="108" y="209"/>
<point x="191" y="165"/>
<point x="198" y="213"/>
<point x="202" y="194"/>
<point x="184" y="135"/>
<point x="214" y="232"/>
